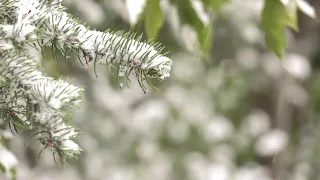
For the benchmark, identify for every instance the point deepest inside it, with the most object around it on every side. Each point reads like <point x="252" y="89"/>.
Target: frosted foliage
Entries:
<point x="176" y="95"/>
<point x="252" y="33"/>
<point x="7" y="160"/>
<point x="302" y="171"/>
<point x="199" y="8"/>
<point x="295" y="94"/>
<point x="298" y="66"/>
<point x="271" y="143"/>
<point x="69" y="145"/>
<point x="31" y="100"/>
<point x="256" y="123"/>
<point x="272" y="66"/>
<point x="134" y="9"/>
<point x="188" y="37"/>
<point x="148" y="115"/>
<point x="217" y="172"/>
<point x="252" y="173"/>
<point x="285" y="2"/>
<point x="244" y="10"/>
<point x="224" y="154"/>
<point x="305" y="7"/>
<point x="247" y="58"/>
<point x="178" y="131"/>
<point x="147" y="150"/>
<point x="218" y="129"/>
<point x="11" y="31"/>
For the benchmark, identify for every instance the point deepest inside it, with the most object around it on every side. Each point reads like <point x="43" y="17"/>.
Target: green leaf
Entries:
<point x="273" y="22"/>
<point x="206" y="3"/>
<point x="292" y="15"/>
<point x="174" y="2"/>
<point x="189" y="16"/>
<point x="153" y="18"/>
<point x="2" y="141"/>
<point x="214" y="4"/>
<point x="13" y="172"/>
<point x="205" y="38"/>
<point x="2" y="168"/>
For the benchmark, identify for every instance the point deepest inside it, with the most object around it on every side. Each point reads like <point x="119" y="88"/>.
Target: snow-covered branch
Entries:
<point x="30" y="99"/>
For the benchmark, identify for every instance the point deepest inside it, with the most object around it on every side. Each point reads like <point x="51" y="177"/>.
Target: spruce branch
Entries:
<point x="34" y="101"/>
<point x="30" y="100"/>
<point x="131" y="55"/>
<point x="60" y="31"/>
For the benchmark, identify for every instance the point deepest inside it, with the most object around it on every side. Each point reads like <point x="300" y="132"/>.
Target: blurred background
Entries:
<point x="238" y="113"/>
